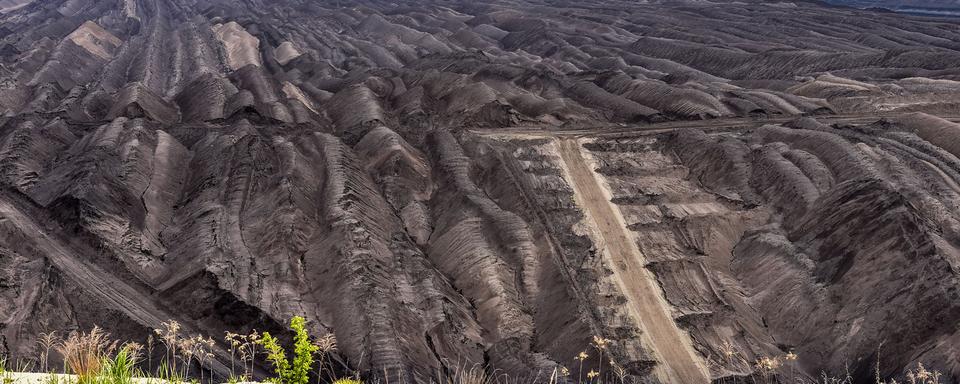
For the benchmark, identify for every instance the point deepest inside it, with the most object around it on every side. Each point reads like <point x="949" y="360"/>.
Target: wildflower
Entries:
<point x="564" y="371"/>
<point x="592" y="374"/>
<point x="791" y="356"/>
<point x="581" y="356"/>
<point x="922" y="373"/>
<point x="600" y="342"/>
<point x="767" y="364"/>
<point x="233" y="339"/>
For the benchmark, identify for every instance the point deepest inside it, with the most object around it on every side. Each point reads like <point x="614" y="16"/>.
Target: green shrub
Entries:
<point x="298" y="370"/>
<point x="120" y="369"/>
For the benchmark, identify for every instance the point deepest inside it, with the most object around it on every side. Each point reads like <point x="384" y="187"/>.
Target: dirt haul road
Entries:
<point x="679" y="363"/>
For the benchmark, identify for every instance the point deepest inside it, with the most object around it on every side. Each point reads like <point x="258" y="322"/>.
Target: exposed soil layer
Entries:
<point x="450" y="183"/>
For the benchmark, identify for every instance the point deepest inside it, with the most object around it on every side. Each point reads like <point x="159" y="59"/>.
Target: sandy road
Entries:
<point x="679" y="362"/>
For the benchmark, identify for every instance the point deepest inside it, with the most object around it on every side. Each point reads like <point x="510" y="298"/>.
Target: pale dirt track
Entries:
<point x="678" y="361"/>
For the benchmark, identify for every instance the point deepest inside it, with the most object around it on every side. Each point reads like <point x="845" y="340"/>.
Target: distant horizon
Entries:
<point x="941" y="8"/>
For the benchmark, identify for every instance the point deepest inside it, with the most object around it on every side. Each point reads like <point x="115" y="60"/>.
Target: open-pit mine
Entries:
<point x="445" y="183"/>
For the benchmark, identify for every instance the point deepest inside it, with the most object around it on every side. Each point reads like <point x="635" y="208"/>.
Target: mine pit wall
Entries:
<point x="717" y="245"/>
<point x="487" y="252"/>
<point x="525" y="177"/>
<point x="848" y="208"/>
<point x="686" y="236"/>
<point x="557" y="307"/>
<point x="775" y="258"/>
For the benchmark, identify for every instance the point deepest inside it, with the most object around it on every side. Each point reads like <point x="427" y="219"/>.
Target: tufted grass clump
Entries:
<point x="85" y="353"/>
<point x="122" y="368"/>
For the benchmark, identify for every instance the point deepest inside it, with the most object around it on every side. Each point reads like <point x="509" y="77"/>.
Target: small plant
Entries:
<point x="47" y="341"/>
<point x="121" y="369"/>
<point x="169" y="334"/>
<point x="166" y="374"/>
<point x="234" y="341"/>
<point x="347" y="381"/>
<point x="149" y="352"/>
<point x="475" y="375"/>
<point x="592" y="374"/>
<point x="202" y="352"/>
<point x="55" y="379"/>
<point x="620" y="371"/>
<point x="5" y="377"/>
<point x="580" y="357"/>
<point x="325" y="345"/>
<point x="246" y="347"/>
<point x="296" y="371"/>
<point x="921" y="375"/>
<point x="84" y="353"/>
<point x="558" y="373"/>
<point x="601" y="345"/>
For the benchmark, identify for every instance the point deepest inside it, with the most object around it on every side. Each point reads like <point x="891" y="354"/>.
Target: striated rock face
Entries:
<point x="449" y="184"/>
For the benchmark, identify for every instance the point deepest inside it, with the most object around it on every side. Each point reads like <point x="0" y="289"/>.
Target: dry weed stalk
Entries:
<point x="601" y="345"/>
<point x="169" y="334"/>
<point x="246" y="347"/>
<point x="325" y="345"/>
<point x="47" y="341"/>
<point x="580" y="357"/>
<point x="474" y="375"/>
<point x="149" y="352"/>
<point x="84" y="353"/>
<point x="921" y="375"/>
<point x="133" y="349"/>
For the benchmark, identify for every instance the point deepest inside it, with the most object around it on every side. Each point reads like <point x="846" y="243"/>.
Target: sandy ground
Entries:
<point x="679" y="361"/>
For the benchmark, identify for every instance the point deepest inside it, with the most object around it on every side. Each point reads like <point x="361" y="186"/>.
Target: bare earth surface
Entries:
<point x="449" y="183"/>
<point x="649" y="309"/>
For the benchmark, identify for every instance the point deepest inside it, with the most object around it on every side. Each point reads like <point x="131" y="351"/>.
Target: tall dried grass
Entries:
<point x="84" y="353"/>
